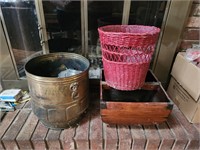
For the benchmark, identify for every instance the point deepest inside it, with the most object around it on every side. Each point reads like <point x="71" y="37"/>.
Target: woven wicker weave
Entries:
<point x="123" y="76"/>
<point x="129" y="36"/>
<point x="134" y="57"/>
<point x="127" y="51"/>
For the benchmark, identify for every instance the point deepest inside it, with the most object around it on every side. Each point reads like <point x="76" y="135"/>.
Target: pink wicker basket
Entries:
<point x="126" y="52"/>
<point x="131" y="37"/>
<point x="123" y="76"/>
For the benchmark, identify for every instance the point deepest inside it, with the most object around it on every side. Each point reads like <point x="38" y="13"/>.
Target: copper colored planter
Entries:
<point x="148" y="105"/>
<point x="58" y="102"/>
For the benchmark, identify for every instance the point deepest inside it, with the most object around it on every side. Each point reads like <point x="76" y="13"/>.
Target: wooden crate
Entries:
<point x="147" y="105"/>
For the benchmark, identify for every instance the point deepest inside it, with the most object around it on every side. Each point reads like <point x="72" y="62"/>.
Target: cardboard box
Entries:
<point x="189" y="107"/>
<point x="187" y="75"/>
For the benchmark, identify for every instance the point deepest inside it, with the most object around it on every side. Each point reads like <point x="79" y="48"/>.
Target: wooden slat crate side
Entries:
<point x="132" y="120"/>
<point x="153" y="137"/>
<point x="12" y="132"/>
<point x="53" y="139"/>
<point x="110" y="137"/>
<point x="180" y="136"/>
<point x="67" y="139"/>
<point x="24" y="137"/>
<point x="96" y="133"/>
<point x="124" y="113"/>
<point x="128" y="106"/>
<point x="38" y="137"/>
<point x="167" y="138"/>
<point x="134" y="113"/>
<point x="137" y="111"/>
<point x="82" y="133"/>
<point x="139" y="138"/>
<point x="192" y="133"/>
<point x="125" y="138"/>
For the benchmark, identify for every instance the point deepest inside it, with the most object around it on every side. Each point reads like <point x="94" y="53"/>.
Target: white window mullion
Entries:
<point x="126" y="11"/>
<point x="42" y="26"/>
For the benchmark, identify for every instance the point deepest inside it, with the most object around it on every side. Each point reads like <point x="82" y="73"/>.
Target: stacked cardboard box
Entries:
<point x="184" y="87"/>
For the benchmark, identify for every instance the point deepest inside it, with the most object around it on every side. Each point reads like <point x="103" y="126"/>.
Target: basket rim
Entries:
<point x="155" y="30"/>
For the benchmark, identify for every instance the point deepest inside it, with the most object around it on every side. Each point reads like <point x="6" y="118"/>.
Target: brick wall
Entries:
<point x="191" y="33"/>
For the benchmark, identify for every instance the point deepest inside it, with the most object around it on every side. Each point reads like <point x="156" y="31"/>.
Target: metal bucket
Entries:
<point x="58" y="101"/>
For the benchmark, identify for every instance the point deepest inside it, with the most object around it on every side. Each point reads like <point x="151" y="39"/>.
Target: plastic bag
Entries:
<point x="192" y="54"/>
<point x="68" y="73"/>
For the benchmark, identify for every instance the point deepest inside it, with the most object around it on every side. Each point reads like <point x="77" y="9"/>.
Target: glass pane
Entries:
<point x="7" y="71"/>
<point x="63" y="23"/>
<point x="147" y="12"/>
<point x="100" y="13"/>
<point x="22" y="27"/>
